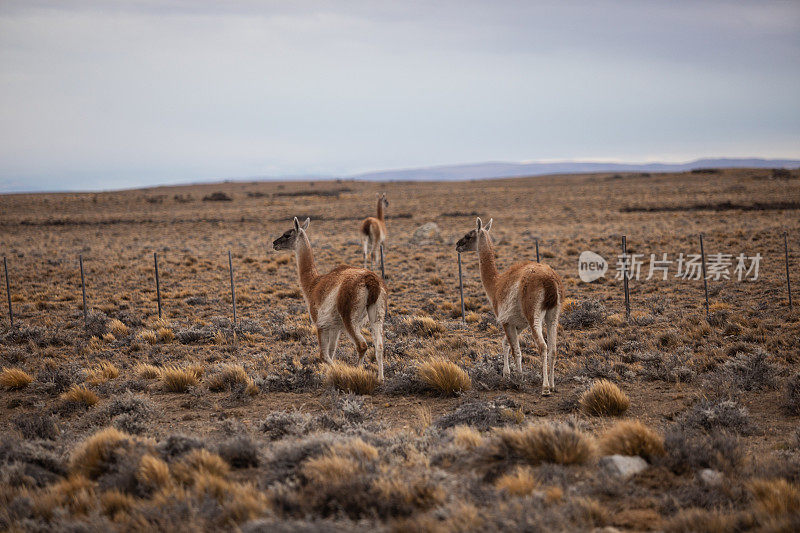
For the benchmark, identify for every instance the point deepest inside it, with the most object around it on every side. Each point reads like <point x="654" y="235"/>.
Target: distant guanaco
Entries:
<point x="526" y="294"/>
<point x="344" y="298"/>
<point x="373" y="232"/>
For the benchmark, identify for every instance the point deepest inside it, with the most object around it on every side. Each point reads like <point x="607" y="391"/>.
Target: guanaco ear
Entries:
<point x="306" y="223"/>
<point x="480" y="224"/>
<point x="489" y="225"/>
<point x="296" y="224"/>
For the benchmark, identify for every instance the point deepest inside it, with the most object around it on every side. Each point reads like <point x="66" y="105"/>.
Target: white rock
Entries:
<point x="623" y="466"/>
<point x="427" y="233"/>
<point x="711" y="477"/>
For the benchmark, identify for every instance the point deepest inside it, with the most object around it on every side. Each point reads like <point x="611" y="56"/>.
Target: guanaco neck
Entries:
<point x="487" y="265"/>
<point x="306" y="268"/>
<point x="380" y="209"/>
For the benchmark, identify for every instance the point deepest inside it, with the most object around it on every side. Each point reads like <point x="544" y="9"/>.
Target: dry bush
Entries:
<point x="200" y="462"/>
<point x="229" y="376"/>
<point x="118" y="328"/>
<point x="91" y="457"/>
<point x="347" y="378"/>
<point x="79" y="394"/>
<point x="423" y="326"/>
<point x="146" y="371"/>
<point x="582" y="314"/>
<point x="792" y="395"/>
<point x="443" y="376"/>
<point x="604" y="399"/>
<point x="631" y="437"/>
<point x="708" y="521"/>
<point x="542" y="443"/>
<point x="520" y="482"/>
<point x="116" y="504"/>
<point x="590" y="511"/>
<point x="101" y="372"/>
<point x="178" y="379"/>
<point x="330" y="469"/>
<point x="14" y="378"/>
<point x="75" y="494"/>
<point x="149" y="336"/>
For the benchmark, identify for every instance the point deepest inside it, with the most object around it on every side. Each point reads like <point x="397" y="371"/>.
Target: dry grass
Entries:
<point x="90" y="457"/>
<point x="116" y="504"/>
<point x="423" y="326"/>
<point x="101" y="372"/>
<point x="775" y="497"/>
<point x="200" y="462"/>
<point x="520" y="482"/>
<point x="443" y="376"/>
<point x="165" y="335"/>
<point x="176" y="379"/>
<point x="230" y="375"/>
<point x="146" y="371"/>
<point x="348" y="378"/>
<point x="80" y="394"/>
<point x="467" y="437"/>
<point x="330" y="469"/>
<point x="117" y="328"/>
<point x="14" y="378"/>
<point x="631" y="437"/>
<point x="604" y="399"/>
<point x="153" y="472"/>
<point x="542" y="443"/>
<point x="149" y="336"/>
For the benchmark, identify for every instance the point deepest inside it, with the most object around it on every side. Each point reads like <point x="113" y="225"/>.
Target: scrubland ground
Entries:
<point x="172" y="423"/>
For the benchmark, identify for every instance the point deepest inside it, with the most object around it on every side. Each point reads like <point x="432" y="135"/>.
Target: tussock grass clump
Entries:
<point x="229" y="376"/>
<point x="116" y="504"/>
<point x="79" y="394"/>
<point x="165" y="335"/>
<point x="792" y="395"/>
<point x="423" y="326"/>
<point x="200" y="462"/>
<point x="101" y="372"/>
<point x="118" y="328"/>
<point x="708" y="521"/>
<point x="467" y="437"/>
<point x="348" y="378"/>
<point x="582" y="314"/>
<point x="153" y="472"/>
<point x="443" y="376"/>
<point x="520" y="482"/>
<point x="91" y="457"/>
<point x="149" y="336"/>
<point x="631" y="437"/>
<point x="178" y="379"/>
<point x="604" y="399"/>
<point x="541" y="443"/>
<point x="14" y="378"/>
<point x="775" y="497"/>
<point x="146" y="371"/>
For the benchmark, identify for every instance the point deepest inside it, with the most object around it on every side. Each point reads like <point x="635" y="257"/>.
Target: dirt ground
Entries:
<point x="667" y="358"/>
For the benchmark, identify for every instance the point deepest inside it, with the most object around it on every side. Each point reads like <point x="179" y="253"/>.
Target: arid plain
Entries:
<point x="177" y="423"/>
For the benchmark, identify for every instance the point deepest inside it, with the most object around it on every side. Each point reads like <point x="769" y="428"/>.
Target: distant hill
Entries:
<point x="506" y="170"/>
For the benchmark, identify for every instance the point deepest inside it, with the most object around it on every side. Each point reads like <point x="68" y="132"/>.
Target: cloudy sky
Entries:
<point x="112" y="94"/>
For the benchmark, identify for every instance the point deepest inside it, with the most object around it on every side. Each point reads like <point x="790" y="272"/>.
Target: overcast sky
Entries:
<point x="104" y="94"/>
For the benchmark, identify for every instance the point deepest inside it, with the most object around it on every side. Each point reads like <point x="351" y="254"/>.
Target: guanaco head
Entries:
<point x="382" y="197"/>
<point x="469" y="242"/>
<point x="288" y="240"/>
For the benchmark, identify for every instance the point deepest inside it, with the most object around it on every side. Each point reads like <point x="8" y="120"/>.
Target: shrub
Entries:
<point x="146" y="371"/>
<point x="728" y="414"/>
<point x="92" y="456"/>
<point x="101" y="372"/>
<point x="604" y="399"/>
<point x="218" y="196"/>
<point x="582" y="314"/>
<point x="37" y="426"/>
<point x="129" y="412"/>
<point x="14" y="378"/>
<point x="482" y="415"/>
<point x="177" y="379"/>
<point x="792" y="396"/>
<point x="631" y="437"/>
<point x="347" y="378"/>
<point x="708" y="521"/>
<point x="280" y="424"/>
<point x="96" y="323"/>
<point x="80" y="395"/>
<point x="443" y="376"/>
<point x="542" y="443"/>
<point x="688" y="450"/>
<point x="229" y="376"/>
<point x="423" y="326"/>
<point x="750" y="371"/>
<point x="56" y="379"/>
<point x="239" y="452"/>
